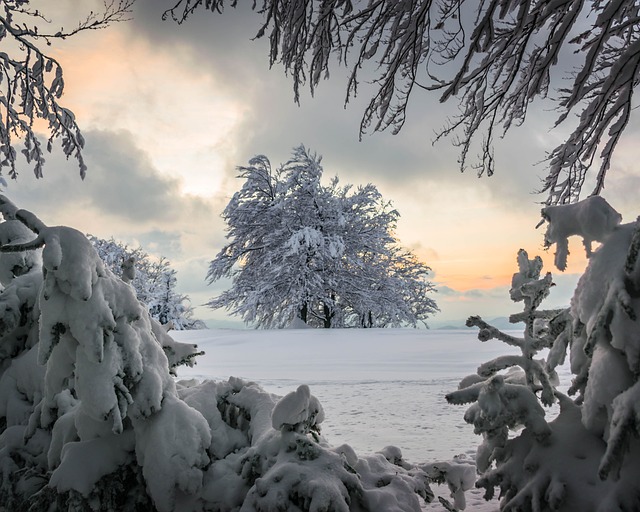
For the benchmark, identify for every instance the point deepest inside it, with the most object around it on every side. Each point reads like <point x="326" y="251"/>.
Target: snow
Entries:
<point x="85" y="462"/>
<point x="378" y="387"/>
<point x="593" y="219"/>
<point x="171" y="446"/>
<point x="459" y="478"/>
<point x="297" y="410"/>
<point x="111" y="416"/>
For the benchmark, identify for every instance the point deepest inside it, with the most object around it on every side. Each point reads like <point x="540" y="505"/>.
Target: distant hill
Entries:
<point x="501" y="323"/>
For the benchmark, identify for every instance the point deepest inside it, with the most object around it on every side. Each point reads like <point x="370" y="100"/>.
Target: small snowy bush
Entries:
<point x="91" y="418"/>
<point x="154" y="282"/>
<point x="588" y="458"/>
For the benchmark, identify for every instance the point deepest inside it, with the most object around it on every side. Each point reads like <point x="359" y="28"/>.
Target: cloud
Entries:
<point x="121" y="183"/>
<point x="215" y="52"/>
<point x="165" y="243"/>
<point x="447" y="291"/>
<point x="273" y="123"/>
<point x="169" y="109"/>
<point x="123" y="196"/>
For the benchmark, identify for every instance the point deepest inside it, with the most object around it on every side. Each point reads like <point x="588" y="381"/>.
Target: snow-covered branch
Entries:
<point x="33" y="83"/>
<point x="495" y="64"/>
<point x="596" y="435"/>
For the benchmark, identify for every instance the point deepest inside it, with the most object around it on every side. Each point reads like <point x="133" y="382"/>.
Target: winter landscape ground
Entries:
<point x="94" y="418"/>
<point x="378" y="387"/>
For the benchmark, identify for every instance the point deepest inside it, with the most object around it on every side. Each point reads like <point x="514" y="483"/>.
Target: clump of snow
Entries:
<point x="459" y="477"/>
<point x="20" y="387"/>
<point x="15" y="264"/>
<point x="593" y="219"/>
<point x="171" y="446"/>
<point x="528" y="272"/>
<point x="298" y="323"/>
<point x="299" y="411"/>
<point x="84" y="463"/>
<point x="606" y="309"/>
<point x="178" y="354"/>
<point x="497" y="408"/>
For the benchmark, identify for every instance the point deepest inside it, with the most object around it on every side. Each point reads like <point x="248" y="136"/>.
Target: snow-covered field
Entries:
<point x="378" y="387"/>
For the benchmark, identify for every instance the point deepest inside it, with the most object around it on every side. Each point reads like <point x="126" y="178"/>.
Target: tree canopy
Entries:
<point x="323" y="254"/>
<point x="496" y="57"/>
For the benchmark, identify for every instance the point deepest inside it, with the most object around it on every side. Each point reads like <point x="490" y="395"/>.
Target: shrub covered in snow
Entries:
<point x="154" y="282"/>
<point x="91" y="418"/>
<point x="588" y="458"/>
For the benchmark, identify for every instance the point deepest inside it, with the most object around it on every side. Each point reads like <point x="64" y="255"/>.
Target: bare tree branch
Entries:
<point x="31" y="83"/>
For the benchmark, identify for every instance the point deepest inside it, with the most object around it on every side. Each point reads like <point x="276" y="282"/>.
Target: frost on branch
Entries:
<point x="588" y="457"/>
<point x="153" y="280"/>
<point x="492" y="59"/>
<point x="32" y="83"/>
<point x="593" y="219"/>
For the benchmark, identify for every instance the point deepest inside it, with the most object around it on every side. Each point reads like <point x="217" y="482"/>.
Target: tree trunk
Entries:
<point x="303" y="312"/>
<point x="327" y="316"/>
<point x="366" y="320"/>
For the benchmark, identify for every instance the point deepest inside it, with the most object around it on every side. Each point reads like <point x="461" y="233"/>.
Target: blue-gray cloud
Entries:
<point x="121" y="182"/>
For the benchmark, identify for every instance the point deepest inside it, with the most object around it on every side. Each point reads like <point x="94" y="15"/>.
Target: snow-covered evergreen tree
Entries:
<point x="321" y="254"/>
<point x="87" y="389"/>
<point x="153" y="280"/>
<point x="588" y="457"/>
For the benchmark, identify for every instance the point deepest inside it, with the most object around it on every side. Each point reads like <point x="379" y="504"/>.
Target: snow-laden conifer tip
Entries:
<point x="593" y="219"/>
<point x="298" y="410"/>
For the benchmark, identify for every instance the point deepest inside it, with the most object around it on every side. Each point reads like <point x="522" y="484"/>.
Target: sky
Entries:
<point x="168" y="111"/>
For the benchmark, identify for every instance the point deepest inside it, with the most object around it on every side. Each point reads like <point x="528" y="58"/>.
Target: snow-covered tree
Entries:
<point x="322" y="254"/>
<point x="31" y="81"/>
<point x="91" y="418"/>
<point x="495" y="57"/>
<point x="588" y="457"/>
<point x="86" y="388"/>
<point x="153" y="280"/>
